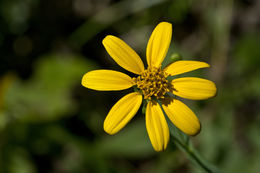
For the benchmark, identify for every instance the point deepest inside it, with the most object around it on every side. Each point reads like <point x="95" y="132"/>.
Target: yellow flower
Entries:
<point x="152" y="85"/>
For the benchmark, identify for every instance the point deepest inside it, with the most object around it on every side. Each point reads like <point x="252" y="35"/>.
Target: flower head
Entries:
<point x="153" y="85"/>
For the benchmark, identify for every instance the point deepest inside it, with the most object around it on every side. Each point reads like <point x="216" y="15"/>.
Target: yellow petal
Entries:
<point x="180" y="67"/>
<point x="123" y="54"/>
<point x="106" y="80"/>
<point x="194" y="88"/>
<point x="158" y="44"/>
<point x="181" y="116"/>
<point x="122" y="112"/>
<point x="156" y="126"/>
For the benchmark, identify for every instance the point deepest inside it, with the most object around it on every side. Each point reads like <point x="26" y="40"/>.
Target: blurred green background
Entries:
<point x="50" y="123"/>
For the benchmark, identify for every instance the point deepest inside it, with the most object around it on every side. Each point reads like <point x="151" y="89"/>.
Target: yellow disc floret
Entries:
<point x="153" y="82"/>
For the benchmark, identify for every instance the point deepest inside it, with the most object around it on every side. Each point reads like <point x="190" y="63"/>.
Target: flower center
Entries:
<point x="153" y="82"/>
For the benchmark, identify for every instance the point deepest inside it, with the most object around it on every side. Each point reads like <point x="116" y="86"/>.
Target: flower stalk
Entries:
<point x="182" y="142"/>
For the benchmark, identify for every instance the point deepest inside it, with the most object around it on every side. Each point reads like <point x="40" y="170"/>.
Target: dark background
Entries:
<point x="50" y="123"/>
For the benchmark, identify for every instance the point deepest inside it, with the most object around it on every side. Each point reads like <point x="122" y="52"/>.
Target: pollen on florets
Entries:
<point x="153" y="82"/>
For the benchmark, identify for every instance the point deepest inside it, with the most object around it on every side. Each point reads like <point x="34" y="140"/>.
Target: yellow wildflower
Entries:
<point x="152" y="85"/>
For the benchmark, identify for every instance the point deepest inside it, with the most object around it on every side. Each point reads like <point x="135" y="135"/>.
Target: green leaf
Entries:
<point x="47" y="94"/>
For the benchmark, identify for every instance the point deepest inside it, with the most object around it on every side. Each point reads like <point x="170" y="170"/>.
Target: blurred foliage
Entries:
<point x="46" y="96"/>
<point x="50" y="123"/>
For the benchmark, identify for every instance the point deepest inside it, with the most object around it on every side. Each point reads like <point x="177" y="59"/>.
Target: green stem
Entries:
<point x="195" y="157"/>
